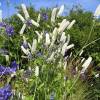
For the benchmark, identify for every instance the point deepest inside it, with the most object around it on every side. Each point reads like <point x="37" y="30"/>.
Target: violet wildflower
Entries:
<point x="25" y="45"/>
<point x="14" y="65"/>
<point x="5" y="92"/>
<point x="8" y="70"/>
<point x="2" y="24"/>
<point x="9" y="30"/>
<point x="29" y="23"/>
<point x="44" y="16"/>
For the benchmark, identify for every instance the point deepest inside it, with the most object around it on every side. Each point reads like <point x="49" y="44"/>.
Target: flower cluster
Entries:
<point x="8" y="70"/>
<point x="5" y="92"/>
<point x="9" y="29"/>
<point x="27" y="21"/>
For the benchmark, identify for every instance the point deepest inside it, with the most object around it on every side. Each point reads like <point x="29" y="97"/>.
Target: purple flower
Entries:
<point x="29" y="23"/>
<point x="44" y="16"/>
<point x="14" y="65"/>
<point x="25" y="45"/>
<point x="5" y="92"/>
<point x="8" y="70"/>
<point x="2" y="24"/>
<point x="9" y="30"/>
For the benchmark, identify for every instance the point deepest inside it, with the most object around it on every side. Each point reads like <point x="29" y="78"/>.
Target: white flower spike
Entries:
<point x="22" y="30"/>
<point x="21" y="17"/>
<point x="86" y="64"/>
<point x="63" y="37"/>
<point x="47" y="42"/>
<point x="71" y="24"/>
<point x="40" y="36"/>
<point x="60" y="11"/>
<point x="34" y="46"/>
<point x="97" y="12"/>
<point x="26" y="51"/>
<point x="68" y="38"/>
<point x="27" y="21"/>
<point x="66" y="47"/>
<point x="63" y="25"/>
<point x="69" y="46"/>
<point x="53" y="15"/>
<point x="25" y="11"/>
<point x="54" y="36"/>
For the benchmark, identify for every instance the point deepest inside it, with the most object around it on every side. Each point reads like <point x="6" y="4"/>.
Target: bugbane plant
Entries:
<point x="47" y="67"/>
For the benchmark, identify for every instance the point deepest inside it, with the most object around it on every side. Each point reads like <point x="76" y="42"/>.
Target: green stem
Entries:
<point x="85" y="45"/>
<point x="75" y="81"/>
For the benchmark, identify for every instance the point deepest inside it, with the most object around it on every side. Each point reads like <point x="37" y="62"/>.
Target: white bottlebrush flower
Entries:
<point x="53" y="15"/>
<point x="38" y="19"/>
<point x="63" y="21"/>
<point x="37" y="71"/>
<point x="34" y="23"/>
<point x="54" y="36"/>
<point x="25" y="11"/>
<point x="68" y="38"/>
<point x="51" y="57"/>
<point x="66" y="47"/>
<point x="69" y="46"/>
<point x="26" y="51"/>
<point x="29" y="46"/>
<point x="82" y="60"/>
<point x="26" y="21"/>
<point x="60" y="11"/>
<point x="97" y="12"/>
<point x="0" y="15"/>
<point x="21" y="17"/>
<point x="22" y="29"/>
<point x="47" y="42"/>
<point x="86" y="64"/>
<point x="34" y="46"/>
<point x="63" y="25"/>
<point x="63" y="37"/>
<point x="40" y="36"/>
<point x="81" y="52"/>
<point x="71" y="24"/>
